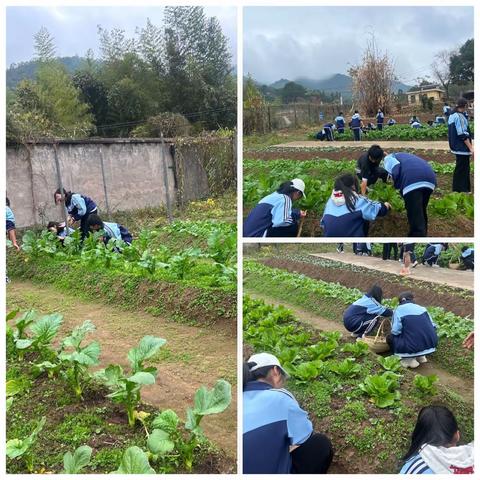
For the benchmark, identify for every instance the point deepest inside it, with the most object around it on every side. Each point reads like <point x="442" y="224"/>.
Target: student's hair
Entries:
<point x="461" y="103"/>
<point x="465" y="248"/>
<point x="52" y="225"/>
<point x="249" y="376"/>
<point x="376" y="153"/>
<point x="340" y="113"/>
<point x="287" y="188"/>
<point x="8" y="202"/>
<point x="446" y="103"/>
<point x="67" y="195"/>
<point x="94" y="219"/>
<point x="376" y="292"/>
<point x="436" y="425"/>
<point x="406" y="296"/>
<point x="348" y="184"/>
<point x="356" y="111"/>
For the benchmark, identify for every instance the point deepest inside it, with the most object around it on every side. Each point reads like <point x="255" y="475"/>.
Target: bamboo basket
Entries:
<point x="378" y="343"/>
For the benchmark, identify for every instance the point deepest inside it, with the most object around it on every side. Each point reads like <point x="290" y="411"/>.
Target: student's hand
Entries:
<point x="469" y="342"/>
<point x="70" y="221"/>
<point x="303" y="213"/>
<point x="389" y="207"/>
<point x="16" y="246"/>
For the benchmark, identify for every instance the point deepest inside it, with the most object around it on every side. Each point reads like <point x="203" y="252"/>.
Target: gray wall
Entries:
<point x="134" y="176"/>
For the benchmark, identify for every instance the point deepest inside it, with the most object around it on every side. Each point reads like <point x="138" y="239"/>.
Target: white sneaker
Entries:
<point x="435" y="266"/>
<point x="422" y="359"/>
<point x="414" y="264"/>
<point x="355" y="335"/>
<point x="409" y="363"/>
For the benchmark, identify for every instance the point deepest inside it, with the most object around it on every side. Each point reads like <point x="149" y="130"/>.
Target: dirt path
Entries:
<point x="192" y="356"/>
<point x="443" y="276"/>
<point x="387" y="145"/>
<point x="457" y="384"/>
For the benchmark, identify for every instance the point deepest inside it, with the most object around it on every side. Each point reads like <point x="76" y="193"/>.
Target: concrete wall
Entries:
<point x="134" y="176"/>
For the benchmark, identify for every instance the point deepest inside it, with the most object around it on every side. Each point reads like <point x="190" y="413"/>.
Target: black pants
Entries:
<point x="341" y="130"/>
<point x="313" y="456"/>
<point x="387" y="250"/>
<point x="461" y="174"/>
<point x="416" y="203"/>
<point x="468" y="262"/>
<point x="379" y="127"/>
<point x="356" y="134"/>
<point x="290" y="231"/>
<point x="84" y="224"/>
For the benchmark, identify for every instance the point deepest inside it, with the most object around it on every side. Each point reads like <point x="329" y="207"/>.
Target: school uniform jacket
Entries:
<point x="413" y="331"/>
<point x="380" y="117"/>
<point x="409" y="172"/>
<point x="340" y="122"/>
<point x="339" y="221"/>
<point x="468" y="252"/>
<point x="117" y="232"/>
<point x="356" y="121"/>
<point x="362" y="310"/>
<point x="10" y="218"/>
<point x="458" y="132"/>
<point x="272" y="421"/>
<point x="80" y="205"/>
<point x="274" y="210"/>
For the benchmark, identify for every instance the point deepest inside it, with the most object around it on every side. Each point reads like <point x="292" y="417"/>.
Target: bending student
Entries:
<point x="274" y="216"/>
<point x="278" y="437"/>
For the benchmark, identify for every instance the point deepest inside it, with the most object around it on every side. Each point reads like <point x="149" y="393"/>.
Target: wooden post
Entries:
<point x="60" y="186"/>
<point x="165" y="181"/>
<point x="295" y="113"/>
<point x="105" y="192"/>
<point x="269" y="119"/>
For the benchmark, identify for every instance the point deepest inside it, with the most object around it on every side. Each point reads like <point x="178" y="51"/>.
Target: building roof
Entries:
<point x="424" y="90"/>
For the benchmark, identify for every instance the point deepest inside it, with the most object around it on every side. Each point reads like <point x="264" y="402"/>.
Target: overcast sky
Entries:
<point x="75" y="28"/>
<point x="315" y="42"/>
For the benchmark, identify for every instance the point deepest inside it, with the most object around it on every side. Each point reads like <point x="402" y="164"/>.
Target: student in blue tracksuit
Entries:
<point x="10" y="225"/>
<point x="340" y="123"/>
<point x="111" y="230"/>
<point x="356" y="126"/>
<point x="432" y="253"/>
<point x="380" y="119"/>
<point x="368" y="168"/>
<point x="467" y="258"/>
<point x="328" y="129"/>
<point x="446" y="110"/>
<point x="433" y="448"/>
<point x="413" y="334"/>
<point x="391" y="122"/>
<point x="60" y="230"/>
<point x="278" y="436"/>
<point x="361" y="317"/>
<point x="415" y="179"/>
<point x="78" y="206"/>
<point x="274" y="216"/>
<point x="347" y="213"/>
<point x="460" y="142"/>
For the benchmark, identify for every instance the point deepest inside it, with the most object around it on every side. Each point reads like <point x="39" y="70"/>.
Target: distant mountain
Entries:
<point x="27" y="70"/>
<point x="335" y="83"/>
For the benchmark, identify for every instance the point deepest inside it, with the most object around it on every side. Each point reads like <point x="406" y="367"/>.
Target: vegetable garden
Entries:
<point x="131" y="391"/>
<point x="450" y="213"/>
<point x="366" y="403"/>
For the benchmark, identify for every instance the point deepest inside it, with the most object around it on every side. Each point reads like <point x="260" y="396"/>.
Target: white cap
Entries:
<point x="265" y="360"/>
<point x="299" y="184"/>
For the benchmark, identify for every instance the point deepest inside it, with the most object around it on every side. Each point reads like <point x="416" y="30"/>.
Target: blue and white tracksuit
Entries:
<point x="339" y="221"/>
<point x="10" y="218"/>
<point x="116" y="232"/>
<point x="432" y="252"/>
<point x="458" y="132"/>
<point x="272" y="422"/>
<point x="80" y="205"/>
<point x="380" y="119"/>
<point x="413" y="331"/>
<point x="355" y="125"/>
<point x="361" y="316"/>
<point x="274" y="210"/>
<point x="409" y="172"/>
<point x="468" y="258"/>
<point x="340" y="123"/>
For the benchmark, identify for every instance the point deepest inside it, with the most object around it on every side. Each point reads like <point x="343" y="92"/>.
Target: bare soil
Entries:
<point x="347" y="278"/>
<point x="193" y="355"/>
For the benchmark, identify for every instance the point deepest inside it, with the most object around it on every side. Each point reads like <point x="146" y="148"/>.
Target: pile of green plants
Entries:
<point x="365" y="403"/>
<point x="211" y="266"/>
<point x="168" y="445"/>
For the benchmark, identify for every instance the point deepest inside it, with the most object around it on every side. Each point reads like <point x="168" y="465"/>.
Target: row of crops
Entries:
<point x="210" y="261"/>
<point x="262" y="178"/>
<point x="398" y="132"/>
<point x="366" y="404"/>
<point x="34" y="350"/>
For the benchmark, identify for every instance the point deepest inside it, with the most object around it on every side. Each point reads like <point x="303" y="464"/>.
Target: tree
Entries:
<point x="44" y="45"/>
<point x="441" y="70"/>
<point x="254" y="108"/>
<point x="292" y="91"/>
<point x="462" y="64"/>
<point x="372" y="80"/>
